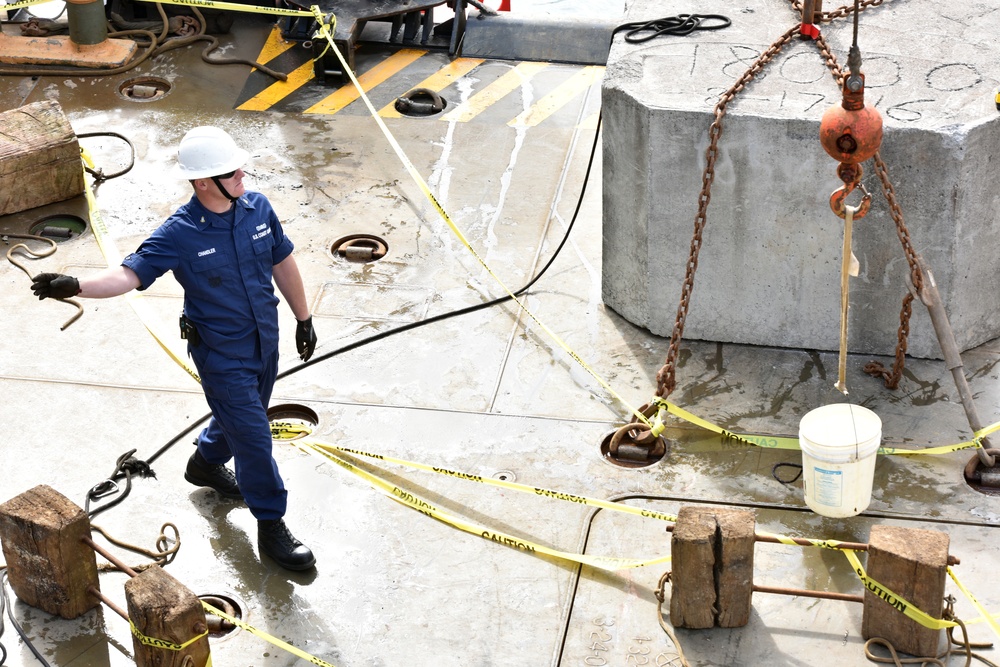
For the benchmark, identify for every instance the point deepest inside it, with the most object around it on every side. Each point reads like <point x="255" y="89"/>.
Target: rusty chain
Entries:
<point x="666" y="376"/>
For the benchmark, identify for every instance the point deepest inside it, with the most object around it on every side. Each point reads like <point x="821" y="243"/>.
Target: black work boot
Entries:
<point x="202" y="473"/>
<point x="275" y="540"/>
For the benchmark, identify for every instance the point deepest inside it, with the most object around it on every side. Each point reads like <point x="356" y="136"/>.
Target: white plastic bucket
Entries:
<point x="839" y="445"/>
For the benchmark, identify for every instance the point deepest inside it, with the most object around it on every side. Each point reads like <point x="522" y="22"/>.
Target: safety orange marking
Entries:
<point x="438" y="81"/>
<point x="373" y="77"/>
<point x="559" y="97"/>
<point x="506" y="84"/>
<point x="279" y="90"/>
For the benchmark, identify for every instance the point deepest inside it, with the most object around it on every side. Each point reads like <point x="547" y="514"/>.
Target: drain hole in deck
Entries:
<point x="217" y="626"/>
<point x="629" y="455"/>
<point x="291" y="422"/>
<point x="360" y="248"/>
<point x="144" y="89"/>
<point x="59" y="228"/>
<point x="982" y="479"/>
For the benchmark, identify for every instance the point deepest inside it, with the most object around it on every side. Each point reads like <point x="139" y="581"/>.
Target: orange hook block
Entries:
<point x="851" y="132"/>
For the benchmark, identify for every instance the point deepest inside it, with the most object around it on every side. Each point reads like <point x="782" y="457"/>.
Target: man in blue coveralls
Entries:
<point x="225" y="246"/>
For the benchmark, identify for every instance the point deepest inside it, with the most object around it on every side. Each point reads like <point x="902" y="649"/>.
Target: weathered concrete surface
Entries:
<point x="769" y="269"/>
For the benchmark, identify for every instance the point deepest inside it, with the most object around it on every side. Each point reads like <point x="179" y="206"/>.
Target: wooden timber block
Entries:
<point x="166" y="613"/>
<point x="712" y="558"/>
<point x="39" y="157"/>
<point x="912" y="563"/>
<point x="48" y="565"/>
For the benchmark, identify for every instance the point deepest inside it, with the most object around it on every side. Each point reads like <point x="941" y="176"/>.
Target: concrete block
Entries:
<point x="769" y="267"/>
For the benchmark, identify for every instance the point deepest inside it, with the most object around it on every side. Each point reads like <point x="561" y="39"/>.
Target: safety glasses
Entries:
<point x="223" y="177"/>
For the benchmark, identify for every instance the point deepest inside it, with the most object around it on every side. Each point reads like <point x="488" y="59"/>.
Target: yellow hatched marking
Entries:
<point x="279" y="90"/>
<point x="274" y="46"/>
<point x="373" y="77"/>
<point x="438" y="81"/>
<point x="559" y="97"/>
<point x="506" y="84"/>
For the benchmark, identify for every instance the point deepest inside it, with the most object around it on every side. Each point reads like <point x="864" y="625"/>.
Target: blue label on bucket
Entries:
<point x="829" y="487"/>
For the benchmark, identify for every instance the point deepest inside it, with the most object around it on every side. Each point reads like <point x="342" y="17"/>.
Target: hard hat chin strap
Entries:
<point x="218" y="184"/>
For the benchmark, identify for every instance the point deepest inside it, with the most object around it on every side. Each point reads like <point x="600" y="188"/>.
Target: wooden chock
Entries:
<point x="712" y="578"/>
<point x="166" y="616"/>
<point x="912" y="563"/>
<point x="48" y="565"/>
<point x="39" y="156"/>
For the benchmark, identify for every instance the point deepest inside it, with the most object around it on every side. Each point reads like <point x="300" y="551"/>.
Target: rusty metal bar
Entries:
<point x="852" y="546"/>
<point x="801" y="541"/>
<point x="93" y="590"/>
<point x="799" y="592"/>
<point x="114" y="561"/>
<point x="953" y="359"/>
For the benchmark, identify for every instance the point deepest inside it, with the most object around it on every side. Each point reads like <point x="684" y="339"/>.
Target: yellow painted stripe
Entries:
<point x="438" y="81"/>
<point x="559" y="97"/>
<point x="274" y="46"/>
<point x="373" y="77"/>
<point x="279" y="90"/>
<point x="590" y="122"/>
<point x="506" y="84"/>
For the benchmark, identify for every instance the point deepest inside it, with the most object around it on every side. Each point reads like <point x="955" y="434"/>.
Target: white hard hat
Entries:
<point x="208" y="151"/>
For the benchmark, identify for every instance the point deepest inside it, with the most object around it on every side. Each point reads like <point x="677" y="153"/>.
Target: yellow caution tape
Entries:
<point x="324" y="32"/>
<point x="162" y="643"/>
<point x="20" y="4"/>
<point x="893" y="600"/>
<point x="983" y="614"/>
<point x="771" y="442"/>
<point x="266" y="637"/>
<point x="821" y="544"/>
<point x="233" y="7"/>
<point x="295" y="432"/>
<point x="779" y="442"/>
<point x="290" y="431"/>
<point x="425" y="507"/>
<point x="114" y="258"/>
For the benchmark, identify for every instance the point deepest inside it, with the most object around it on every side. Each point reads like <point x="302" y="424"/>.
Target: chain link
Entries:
<point x="840" y="12"/>
<point x="666" y="376"/>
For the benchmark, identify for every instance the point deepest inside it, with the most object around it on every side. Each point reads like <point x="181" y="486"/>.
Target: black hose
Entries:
<point x="468" y="309"/>
<point x="406" y="327"/>
<point x="5" y="602"/>
<point x="99" y="174"/>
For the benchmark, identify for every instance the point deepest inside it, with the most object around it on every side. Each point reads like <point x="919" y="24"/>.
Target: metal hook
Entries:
<point x="837" y="201"/>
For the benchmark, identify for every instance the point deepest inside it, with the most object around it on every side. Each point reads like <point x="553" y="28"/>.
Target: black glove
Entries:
<point x="305" y="339"/>
<point x="55" y="286"/>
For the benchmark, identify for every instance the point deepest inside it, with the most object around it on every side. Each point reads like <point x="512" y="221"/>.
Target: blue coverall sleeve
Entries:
<point x="154" y="256"/>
